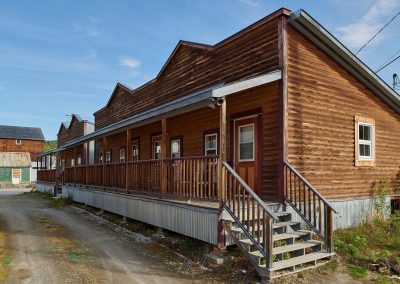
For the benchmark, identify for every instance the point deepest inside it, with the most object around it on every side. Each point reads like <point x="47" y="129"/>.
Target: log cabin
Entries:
<point x="276" y="134"/>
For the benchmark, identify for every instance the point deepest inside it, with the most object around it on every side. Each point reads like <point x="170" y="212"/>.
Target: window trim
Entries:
<point x="79" y="160"/>
<point x="205" y="143"/>
<point x="135" y="144"/>
<point x="18" y="142"/>
<point x="179" y="140"/>
<point x="254" y="144"/>
<point x="108" y="157"/>
<point x="154" y="139"/>
<point x="120" y="156"/>
<point x="364" y="161"/>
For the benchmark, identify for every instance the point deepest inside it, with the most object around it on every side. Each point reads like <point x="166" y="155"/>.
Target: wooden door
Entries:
<point x="246" y="154"/>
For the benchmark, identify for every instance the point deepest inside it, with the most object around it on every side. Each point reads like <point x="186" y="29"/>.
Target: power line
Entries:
<point x="391" y="57"/>
<point x="362" y="47"/>
<point x="384" y="66"/>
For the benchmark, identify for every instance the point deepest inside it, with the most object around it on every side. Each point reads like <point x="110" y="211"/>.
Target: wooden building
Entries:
<point x="18" y="149"/>
<point x="247" y="141"/>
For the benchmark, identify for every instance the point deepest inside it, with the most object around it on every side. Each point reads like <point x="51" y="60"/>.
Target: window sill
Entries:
<point x="363" y="163"/>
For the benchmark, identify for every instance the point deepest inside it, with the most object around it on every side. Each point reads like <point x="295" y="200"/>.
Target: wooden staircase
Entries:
<point x="275" y="244"/>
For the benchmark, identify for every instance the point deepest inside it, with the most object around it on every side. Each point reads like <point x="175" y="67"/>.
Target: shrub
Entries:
<point x="381" y="206"/>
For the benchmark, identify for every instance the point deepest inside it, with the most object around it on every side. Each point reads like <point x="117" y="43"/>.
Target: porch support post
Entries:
<point x="57" y="173"/>
<point x="222" y="151"/>
<point x="75" y="164"/>
<point x="164" y="137"/>
<point x="87" y="152"/>
<point x="127" y="158"/>
<point x="104" y="149"/>
<point x="283" y="124"/>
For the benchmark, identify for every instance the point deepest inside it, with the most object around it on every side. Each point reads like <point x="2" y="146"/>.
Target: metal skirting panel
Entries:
<point x="352" y="212"/>
<point x="193" y="221"/>
<point x="47" y="187"/>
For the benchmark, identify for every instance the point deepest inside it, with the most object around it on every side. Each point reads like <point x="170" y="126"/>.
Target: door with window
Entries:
<point x="246" y="150"/>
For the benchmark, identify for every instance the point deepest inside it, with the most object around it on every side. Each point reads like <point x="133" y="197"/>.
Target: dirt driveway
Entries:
<point x="47" y="245"/>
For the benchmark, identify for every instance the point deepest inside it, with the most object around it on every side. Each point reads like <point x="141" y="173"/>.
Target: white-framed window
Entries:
<point x="108" y="157"/>
<point x="79" y="161"/>
<point x="246" y="143"/>
<point x="135" y="152"/>
<point x="100" y="157"/>
<point x="176" y="148"/>
<point x="72" y="162"/>
<point x="18" y="142"/>
<point x="121" y="155"/>
<point x="365" y="141"/>
<point x="157" y="149"/>
<point x="210" y="144"/>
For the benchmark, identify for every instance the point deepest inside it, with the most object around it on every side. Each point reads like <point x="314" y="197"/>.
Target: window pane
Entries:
<point x="246" y="134"/>
<point x="364" y="132"/>
<point x="365" y="151"/>
<point x="175" y="147"/>
<point x="211" y="152"/>
<point x="246" y="151"/>
<point x="211" y="141"/>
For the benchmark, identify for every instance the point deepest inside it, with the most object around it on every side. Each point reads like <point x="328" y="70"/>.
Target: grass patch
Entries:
<point x="60" y="202"/>
<point x="77" y="255"/>
<point x="371" y="243"/>
<point x="5" y="257"/>
<point x="358" y="272"/>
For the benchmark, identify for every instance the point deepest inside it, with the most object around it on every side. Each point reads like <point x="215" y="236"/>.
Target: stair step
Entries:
<point x="289" y="248"/>
<point x="296" y="246"/>
<point x="284" y="224"/>
<point x="295" y="234"/>
<point x="298" y="260"/>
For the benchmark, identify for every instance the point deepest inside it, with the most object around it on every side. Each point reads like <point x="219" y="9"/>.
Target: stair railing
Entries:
<point x="311" y="206"/>
<point x="249" y="212"/>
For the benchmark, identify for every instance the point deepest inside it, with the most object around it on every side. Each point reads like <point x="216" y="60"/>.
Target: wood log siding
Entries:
<point x="32" y="146"/>
<point x="323" y="99"/>
<point x="191" y="126"/>
<point x="76" y="129"/>
<point x="193" y="68"/>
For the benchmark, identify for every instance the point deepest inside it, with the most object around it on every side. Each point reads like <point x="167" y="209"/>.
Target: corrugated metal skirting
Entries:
<point x="193" y="221"/>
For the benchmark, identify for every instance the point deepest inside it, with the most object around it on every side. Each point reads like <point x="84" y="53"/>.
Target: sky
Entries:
<point x="59" y="57"/>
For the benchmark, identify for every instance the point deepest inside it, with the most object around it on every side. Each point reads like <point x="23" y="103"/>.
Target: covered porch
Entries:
<point x="176" y="150"/>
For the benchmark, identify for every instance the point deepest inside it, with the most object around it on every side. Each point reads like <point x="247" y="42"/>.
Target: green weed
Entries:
<point x="358" y="272"/>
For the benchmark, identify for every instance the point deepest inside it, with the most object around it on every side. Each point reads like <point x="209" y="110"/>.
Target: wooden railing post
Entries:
<point x="75" y="162"/>
<point x="164" y="138"/>
<point x="329" y="229"/>
<point x="104" y="149"/>
<point x="222" y="147"/>
<point x="127" y="158"/>
<point x="87" y="152"/>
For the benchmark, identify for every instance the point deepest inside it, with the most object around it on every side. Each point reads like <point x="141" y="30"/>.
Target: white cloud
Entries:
<point x="251" y="3"/>
<point x="129" y="62"/>
<point x="358" y="33"/>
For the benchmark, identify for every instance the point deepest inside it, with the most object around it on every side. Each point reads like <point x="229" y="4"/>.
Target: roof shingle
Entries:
<point x="19" y="132"/>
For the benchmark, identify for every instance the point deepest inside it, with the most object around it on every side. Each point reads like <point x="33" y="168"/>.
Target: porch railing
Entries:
<point x="311" y="206"/>
<point x="195" y="177"/>
<point x="248" y="211"/>
<point x="144" y="176"/>
<point x="46" y="175"/>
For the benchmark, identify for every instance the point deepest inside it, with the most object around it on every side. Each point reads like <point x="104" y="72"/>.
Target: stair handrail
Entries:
<point x="293" y="196"/>
<point x="249" y="190"/>
<point x="310" y="186"/>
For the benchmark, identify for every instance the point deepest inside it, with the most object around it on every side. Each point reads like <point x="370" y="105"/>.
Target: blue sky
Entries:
<point x="58" y="57"/>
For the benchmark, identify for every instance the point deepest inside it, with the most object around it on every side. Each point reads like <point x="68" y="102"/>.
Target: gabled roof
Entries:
<point x="211" y="48"/>
<point x="74" y="116"/>
<point x="314" y="31"/>
<point x="15" y="159"/>
<point x="19" y="132"/>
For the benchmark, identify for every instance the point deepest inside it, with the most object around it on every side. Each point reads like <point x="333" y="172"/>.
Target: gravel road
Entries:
<point x="49" y="245"/>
